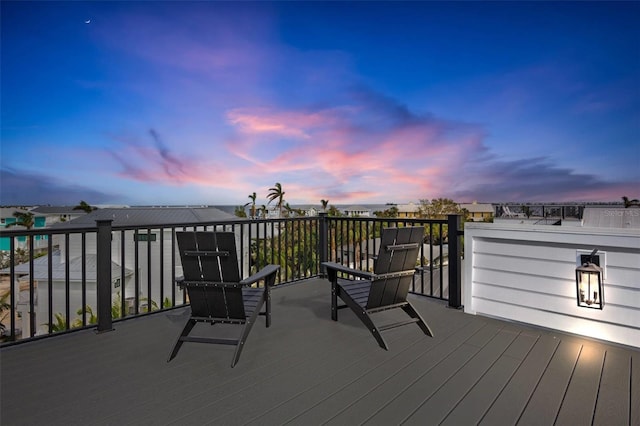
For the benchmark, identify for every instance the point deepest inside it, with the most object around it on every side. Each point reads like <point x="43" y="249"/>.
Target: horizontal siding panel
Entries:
<point x="623" y="296"/>
<point x="566" y="288"/>
<point x="560" y="305"/>
<point x="613" y="294"/>
<point x="581" y="326"/>
<point x="622" y="276"/>
<point x="525" y="265"/>
<point x="511" y="248"/>
<point x="623" y="259"/>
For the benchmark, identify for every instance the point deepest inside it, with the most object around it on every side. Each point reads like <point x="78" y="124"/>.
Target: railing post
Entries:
<point x="103" y="276"/>
<point x="323" y="239"/>
<point x="455" y="263"/>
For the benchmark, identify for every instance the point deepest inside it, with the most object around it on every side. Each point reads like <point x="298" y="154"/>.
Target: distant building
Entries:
<point x="7" y="219"/>
<point x="357" y="211"/>
<point x="410" y="210"/>
<point x="82" y="286"/>
<point x="131" y="253"/>
<point x="478" y="212"/>
<point x="56" y="214"/>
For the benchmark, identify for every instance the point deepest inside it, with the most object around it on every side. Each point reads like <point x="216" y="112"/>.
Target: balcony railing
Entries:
<point x="89" y="277"/>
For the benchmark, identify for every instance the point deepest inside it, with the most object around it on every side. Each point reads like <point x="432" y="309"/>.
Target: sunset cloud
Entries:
<point x="206" y="102"/>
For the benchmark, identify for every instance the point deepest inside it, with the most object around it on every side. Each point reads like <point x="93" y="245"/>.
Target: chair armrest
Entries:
<point x="337" y="267"/>
<point x="261" y="274"/>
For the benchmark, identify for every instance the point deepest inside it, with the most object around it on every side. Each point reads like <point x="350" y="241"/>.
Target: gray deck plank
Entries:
<point x="408" y="391"/>
<point x="437" y="407"/>
<point x="474" y="405"/>
<point x="349" y="373"/>
<point x="339" y="399"/>
<point x="545" y="402"/>
<point x="613" y="404"/>
<point x="289" y="386"/>
<point x="392" y="380"/>
<point x="508" y="407"/>
<point x="307" y="369"/>
<point x="579" y="402"/>
<point x="635" y="389"/>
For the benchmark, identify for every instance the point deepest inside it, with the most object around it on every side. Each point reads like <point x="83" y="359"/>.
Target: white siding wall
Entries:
<point x="527" y="274"/>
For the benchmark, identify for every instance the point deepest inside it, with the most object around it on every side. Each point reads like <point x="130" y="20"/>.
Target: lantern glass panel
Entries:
<point x="589" y="286"/>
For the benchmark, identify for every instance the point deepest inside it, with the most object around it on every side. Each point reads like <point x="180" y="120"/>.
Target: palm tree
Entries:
<point x="93" y="318"/>
<point x="239" y="212"/>
<point x="84" y="206"/>
<point x="288" y="209"/>
<point x="324" y="203"/>
<point x="253" y="205"/>
<point x="628" y="203"/>
<point x="60" y="324"/>
<point x="263" y="209"/>
<point x="25" y="219"/>
<point x="276" y="193"/>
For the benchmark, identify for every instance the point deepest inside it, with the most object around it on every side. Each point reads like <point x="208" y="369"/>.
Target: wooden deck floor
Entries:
<point x="307" y="370"/>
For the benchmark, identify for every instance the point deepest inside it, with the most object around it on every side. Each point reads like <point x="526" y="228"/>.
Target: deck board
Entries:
<point x="635" y="390"/>
<point x="307" y="369"/>
<point x="474" y="405"/>
<point x="438" y="406"/>
<point x="579" y="403"/>
<point x="549" y="393"/>
<point x="615" y="382"/>
<point x="418" y="385"/>
<point x="509" y="405"/>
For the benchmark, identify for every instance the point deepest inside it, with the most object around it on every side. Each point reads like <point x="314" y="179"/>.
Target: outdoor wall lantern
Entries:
<point x="589" y="284"/>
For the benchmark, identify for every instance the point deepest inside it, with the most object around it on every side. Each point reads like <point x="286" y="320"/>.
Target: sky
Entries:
<point x="176" y="103"/>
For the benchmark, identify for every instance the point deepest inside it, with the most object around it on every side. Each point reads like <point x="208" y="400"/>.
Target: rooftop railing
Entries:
<point x="90" y="277"/>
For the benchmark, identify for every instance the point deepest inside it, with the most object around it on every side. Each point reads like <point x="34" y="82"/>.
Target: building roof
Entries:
<point x="477" y="207"/>
<point x="56" y="210"/>
<point x="136" y="216"/>
<point x="611" y="217"/>
<point x="408" y="208"/>
<point x="58" y="268"/>
<point x="357" y="209"/>
<point x="9" y="211"/>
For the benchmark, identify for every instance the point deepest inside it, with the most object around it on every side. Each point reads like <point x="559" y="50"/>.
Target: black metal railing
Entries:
<point x="540" y="211"/>
<point x="89" y="277"/>
<point x="355" y="242"/>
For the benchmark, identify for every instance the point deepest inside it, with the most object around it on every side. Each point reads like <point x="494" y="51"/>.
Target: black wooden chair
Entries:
<point x="386" y="288"/>
<point x="215" y="290"/>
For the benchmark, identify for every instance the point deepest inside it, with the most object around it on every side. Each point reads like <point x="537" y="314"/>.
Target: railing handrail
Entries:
<point x="265" y="232"/>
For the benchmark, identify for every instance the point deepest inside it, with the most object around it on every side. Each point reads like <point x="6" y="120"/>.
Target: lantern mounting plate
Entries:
<point x="600" y="259"/>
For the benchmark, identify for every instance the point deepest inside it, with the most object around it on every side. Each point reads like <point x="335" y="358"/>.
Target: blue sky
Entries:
<point x="359" y="102"/>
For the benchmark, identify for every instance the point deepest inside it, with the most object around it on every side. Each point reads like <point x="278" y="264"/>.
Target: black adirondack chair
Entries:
<point x="216" y="292"/>
<point x="386" y="288"/>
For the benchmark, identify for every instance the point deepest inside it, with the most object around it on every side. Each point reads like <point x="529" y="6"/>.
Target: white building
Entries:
<point x="527" y="273"/>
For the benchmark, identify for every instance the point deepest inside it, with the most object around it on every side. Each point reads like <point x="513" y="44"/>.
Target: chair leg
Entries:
<point x="364" y="317"/>
<point x="243" y="337"/>
<point x="334" y="301"/>
<point x="185" y="331"/>
<point x="267" y="302"/>
<point x="410" y="310"/>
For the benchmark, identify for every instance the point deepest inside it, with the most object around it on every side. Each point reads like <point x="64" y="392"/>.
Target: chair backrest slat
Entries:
<point x="210" y="258"/>
<point x="399" y="250"/>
